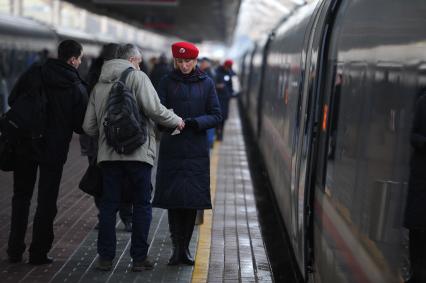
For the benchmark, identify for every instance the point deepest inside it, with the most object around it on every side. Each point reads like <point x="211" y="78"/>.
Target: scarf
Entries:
<point x="195" y="76"/>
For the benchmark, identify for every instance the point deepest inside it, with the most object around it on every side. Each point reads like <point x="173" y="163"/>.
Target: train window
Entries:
<point x="4" y="62"/>
<point x="329" y="114"/>
<point x="365" y="147"/>
<point x="421" y="77"/>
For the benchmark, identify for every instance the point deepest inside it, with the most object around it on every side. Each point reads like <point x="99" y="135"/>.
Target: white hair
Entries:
<point x="128" y="50"/>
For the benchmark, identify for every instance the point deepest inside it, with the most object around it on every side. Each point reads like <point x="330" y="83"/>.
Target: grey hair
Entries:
<point x="128" y="50"/>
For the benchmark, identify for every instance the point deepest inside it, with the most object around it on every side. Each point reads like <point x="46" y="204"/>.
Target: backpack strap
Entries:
<point x="124" y="74"/>
<point x="123" y="78"/>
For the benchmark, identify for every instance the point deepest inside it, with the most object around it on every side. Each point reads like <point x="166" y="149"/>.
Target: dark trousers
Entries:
<point x="24" y="179"/>
<point x="125" y="209"/>
<point x="114" y="175"/>
<point x="418" y="255"/>
<point x="181" y="225"/>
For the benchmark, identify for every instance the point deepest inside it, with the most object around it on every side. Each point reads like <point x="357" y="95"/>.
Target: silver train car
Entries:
<point x="25" y="41"/>
<point x="20" y="44"/>
<point x="330" y="97"/>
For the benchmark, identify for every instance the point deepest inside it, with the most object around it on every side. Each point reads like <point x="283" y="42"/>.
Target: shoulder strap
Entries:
<point x="124" y="75"/>
<point x="123" y="78"/>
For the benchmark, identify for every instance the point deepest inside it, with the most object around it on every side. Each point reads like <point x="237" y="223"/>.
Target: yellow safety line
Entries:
<point x="202" y="256"/>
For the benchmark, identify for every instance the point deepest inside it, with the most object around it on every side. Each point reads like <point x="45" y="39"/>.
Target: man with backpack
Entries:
<point x="89" y="145"/>
<point x="58" y="82"/>
<point x="122" y="109"/>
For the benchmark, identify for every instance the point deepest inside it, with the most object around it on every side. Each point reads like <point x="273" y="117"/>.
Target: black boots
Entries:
<point x="174" y="228"/>
<point x="186" y="257"/>
<point x="188" y="225"/>
<point x="181" y="224"/>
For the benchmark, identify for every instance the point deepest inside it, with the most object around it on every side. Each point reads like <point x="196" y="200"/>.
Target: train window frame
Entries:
<point x="324" y="134"/>
<point x="421" y="78"/>
<point x="332" y="65"/>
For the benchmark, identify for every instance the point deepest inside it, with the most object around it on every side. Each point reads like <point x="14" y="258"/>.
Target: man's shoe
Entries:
<point x="40" y="260"/>
<point x="139" y="266"/>
<point x="128" y="226"/>
<point x="15" y="259"/>
<point x="104" y="264"/>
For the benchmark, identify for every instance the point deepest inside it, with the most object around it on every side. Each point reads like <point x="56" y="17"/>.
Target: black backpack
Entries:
<point x="27" y="117"/>
<point x="124" y="126"/>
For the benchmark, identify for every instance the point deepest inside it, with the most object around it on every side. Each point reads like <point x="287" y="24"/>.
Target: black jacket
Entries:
<point x="67" y="100"/>
<point x="158" y="72"/>
<point x="94" y="73"/>
<point x="224" y="93"/>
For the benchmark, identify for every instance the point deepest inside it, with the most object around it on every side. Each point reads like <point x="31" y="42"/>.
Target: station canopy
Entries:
<point x="191" y="20"/>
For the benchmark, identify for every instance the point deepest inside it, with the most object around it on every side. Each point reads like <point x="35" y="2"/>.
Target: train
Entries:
<point x="329" y="95"/>
<point x="25" y="41"/>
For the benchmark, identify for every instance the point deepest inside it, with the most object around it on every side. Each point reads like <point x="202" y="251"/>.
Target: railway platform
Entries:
<point x="228" y="245"/>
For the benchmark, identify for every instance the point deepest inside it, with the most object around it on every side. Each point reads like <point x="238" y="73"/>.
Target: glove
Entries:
<point x="191" y="123"/>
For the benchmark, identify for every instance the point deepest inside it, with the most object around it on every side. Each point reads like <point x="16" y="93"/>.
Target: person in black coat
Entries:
<point x="160" y="69"/>
<point x="415" y="212"/>
<point x="183" y="174"/>
<point x="89" y="146"/>
<point x="66" y="105"/>
<point x="205" y="66"/>
<point x="224" y="91"/>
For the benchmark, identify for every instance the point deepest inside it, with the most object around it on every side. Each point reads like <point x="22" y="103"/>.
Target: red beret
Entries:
<point x="184" y="50"/>
<point x="228" y="63"/>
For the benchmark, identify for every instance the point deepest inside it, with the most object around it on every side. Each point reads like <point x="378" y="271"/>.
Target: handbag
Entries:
<point x="91" y="182"/>
<point x="7" y="154"/>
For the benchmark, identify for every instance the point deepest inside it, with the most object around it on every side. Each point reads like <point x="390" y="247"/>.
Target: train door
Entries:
<point x="325" y="111"/>
<point x="261" y="86"/>
<point x="305" y="133"/>
<point x="314" y="92"/>
<point x="4" y="92"/>
<point x="249" y="82"/>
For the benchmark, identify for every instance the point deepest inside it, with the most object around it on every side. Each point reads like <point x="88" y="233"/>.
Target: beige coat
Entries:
<point x="146" y="98"/>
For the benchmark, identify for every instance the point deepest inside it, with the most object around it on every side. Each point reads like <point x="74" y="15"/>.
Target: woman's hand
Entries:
<point x="191" y="123"/>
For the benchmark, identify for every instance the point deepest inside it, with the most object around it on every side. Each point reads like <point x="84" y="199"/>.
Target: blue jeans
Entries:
<point x="114" y="175"/>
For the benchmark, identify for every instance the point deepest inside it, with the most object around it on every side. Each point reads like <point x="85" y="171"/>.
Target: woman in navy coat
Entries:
<point x="183" y="174"/>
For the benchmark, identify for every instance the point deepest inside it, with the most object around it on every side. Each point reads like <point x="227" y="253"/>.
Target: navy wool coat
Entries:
<point x="183" y="173"/>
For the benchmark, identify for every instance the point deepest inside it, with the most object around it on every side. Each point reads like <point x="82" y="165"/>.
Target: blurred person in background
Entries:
<point x="205" y="66"/>
<point x="160" y="69"/>
<point x="143" y="66"/>
<point x="224" y="90"/>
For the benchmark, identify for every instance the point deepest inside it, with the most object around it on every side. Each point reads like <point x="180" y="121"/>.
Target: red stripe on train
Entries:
<point x="351" y="262"/>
